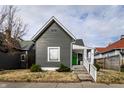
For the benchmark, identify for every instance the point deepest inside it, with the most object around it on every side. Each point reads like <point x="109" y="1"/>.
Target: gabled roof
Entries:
<point x="26" y="45"/>
<point x="79" y="42"/>
<point x="48" y="23"/>
<point x="100" y="49"/>
<point x="116" y="45"/>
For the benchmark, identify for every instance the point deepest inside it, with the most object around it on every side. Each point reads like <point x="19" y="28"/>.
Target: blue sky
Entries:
<point x="96" y="25"/>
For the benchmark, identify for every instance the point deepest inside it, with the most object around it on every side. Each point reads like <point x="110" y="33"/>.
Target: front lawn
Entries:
<point x="47" y="76"/>
<point x="110" y="76"/>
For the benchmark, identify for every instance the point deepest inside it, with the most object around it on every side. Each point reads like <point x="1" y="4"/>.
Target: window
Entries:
<point x="53" y="30"/>
<point x="22" y="57"/>
<point x="53" y="54"/>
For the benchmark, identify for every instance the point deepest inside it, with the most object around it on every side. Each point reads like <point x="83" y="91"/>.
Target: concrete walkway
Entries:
<point x="82" y="73"/>
<point x="58" y="85"/>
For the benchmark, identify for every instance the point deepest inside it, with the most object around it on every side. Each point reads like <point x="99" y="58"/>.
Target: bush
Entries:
<point x="35" y="68"/>
<point x="63" y="68"/>
<point x="122" y="68"/>
<point x="97" y="66"/>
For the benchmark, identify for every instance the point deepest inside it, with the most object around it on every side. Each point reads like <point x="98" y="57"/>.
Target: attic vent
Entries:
<point x="122" y="36"/>
<point x="53" y="30"/>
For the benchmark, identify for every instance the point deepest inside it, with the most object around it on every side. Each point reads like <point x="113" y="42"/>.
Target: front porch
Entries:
<point x="83" y="57"/>
<point x="80" y="54"/>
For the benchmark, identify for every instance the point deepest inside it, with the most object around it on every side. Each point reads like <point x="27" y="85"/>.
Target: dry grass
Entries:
<point x="110" y="76"/>
<point x="48" y="76"/>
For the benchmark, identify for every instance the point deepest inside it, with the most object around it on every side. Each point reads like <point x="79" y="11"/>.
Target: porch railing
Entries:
<point x="87" y="65"/>
<point x="91" y="69"/>
<point x="93" y="72"/>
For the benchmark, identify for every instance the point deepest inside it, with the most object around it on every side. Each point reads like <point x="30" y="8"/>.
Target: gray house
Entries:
<point x="55" y="45"/>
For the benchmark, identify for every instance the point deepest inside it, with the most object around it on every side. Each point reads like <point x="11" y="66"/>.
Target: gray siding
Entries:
<point x="50" y="38"/>
<point x="9" y="60"/>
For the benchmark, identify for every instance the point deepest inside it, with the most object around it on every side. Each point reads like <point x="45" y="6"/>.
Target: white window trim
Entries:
<point x="48" y="54"/>
<point x="24" y="57"/>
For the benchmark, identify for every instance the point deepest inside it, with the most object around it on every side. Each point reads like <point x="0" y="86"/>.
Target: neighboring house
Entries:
<point x="27" y="53"/>
<point x="23" y="56"/>
<point x="112" y="56"/>
<point x="8" y="60"/>
<point x="55" y="45"/>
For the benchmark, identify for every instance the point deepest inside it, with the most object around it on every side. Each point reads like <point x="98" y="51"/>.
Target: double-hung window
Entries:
<point x="53" y="54"/>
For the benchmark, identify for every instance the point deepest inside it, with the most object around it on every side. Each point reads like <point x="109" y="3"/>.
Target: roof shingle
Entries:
<point x="116" y="45"/>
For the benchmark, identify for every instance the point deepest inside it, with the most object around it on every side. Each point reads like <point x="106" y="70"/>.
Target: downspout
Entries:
<point x="71" y="50"/>
<point x="26" y="58"/>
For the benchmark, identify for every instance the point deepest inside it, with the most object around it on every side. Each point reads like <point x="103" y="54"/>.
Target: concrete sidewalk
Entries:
<point x="58" y="85"/>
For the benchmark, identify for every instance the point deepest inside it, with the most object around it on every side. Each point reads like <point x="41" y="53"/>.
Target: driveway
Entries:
<point x="58" y="85"/>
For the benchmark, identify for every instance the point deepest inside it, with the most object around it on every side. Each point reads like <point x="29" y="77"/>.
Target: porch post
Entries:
<point x="92" y="56"/>
<point x="84" y="55"/>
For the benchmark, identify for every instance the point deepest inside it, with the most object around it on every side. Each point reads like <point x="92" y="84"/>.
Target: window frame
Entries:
<point x="48" y="54"/>
<point x="24" y="57"/>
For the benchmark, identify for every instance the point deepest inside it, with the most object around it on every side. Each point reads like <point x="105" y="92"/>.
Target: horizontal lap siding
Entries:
<point x="50" y="38"/>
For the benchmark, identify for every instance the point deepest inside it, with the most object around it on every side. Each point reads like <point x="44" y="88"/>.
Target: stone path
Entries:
<point x="82" y="73"/>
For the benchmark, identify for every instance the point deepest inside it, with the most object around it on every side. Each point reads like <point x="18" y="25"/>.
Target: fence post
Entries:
<point x="89" y="68"/>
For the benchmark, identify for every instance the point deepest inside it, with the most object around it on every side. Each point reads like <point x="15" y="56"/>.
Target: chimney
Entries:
<point x="122" y="36"/>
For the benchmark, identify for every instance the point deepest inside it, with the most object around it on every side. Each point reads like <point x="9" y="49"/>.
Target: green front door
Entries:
<point x="74" y="59"/>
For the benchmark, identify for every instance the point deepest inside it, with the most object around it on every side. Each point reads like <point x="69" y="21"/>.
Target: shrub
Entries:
<point x="35" y="68"/>
<point x="97" y="66"/>
<point x="63" y="68"/>
<point x="122" y="68"/>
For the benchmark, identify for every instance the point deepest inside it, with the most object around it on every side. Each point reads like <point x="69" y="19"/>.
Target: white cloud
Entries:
<point x="96" y="25"/>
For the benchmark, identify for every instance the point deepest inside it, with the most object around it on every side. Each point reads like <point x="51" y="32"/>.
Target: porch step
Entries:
<point x="82" y="73"/>
<point x="85" y="77"/>
<point x="80" y="68"/>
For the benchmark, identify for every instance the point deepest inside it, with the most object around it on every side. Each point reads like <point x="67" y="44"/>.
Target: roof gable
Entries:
<point x="79" y="42"/>
<point x="48" y="23"/>
<point x="26" y="45"/>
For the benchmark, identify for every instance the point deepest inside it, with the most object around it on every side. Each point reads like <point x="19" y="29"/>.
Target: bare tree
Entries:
<point x="12" y="26"/>
<point x="14" y="23"/>
<point x="3" y="14"/>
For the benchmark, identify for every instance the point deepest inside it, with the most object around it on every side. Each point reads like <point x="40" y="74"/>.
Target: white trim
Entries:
<point x="76" y="47"/>
<point x="77" y="59"/>
<point x="48" y="54"/>
<point x="50" y="68"/>
<point x="71" y="54"/>
<point x="48" y="22"/>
